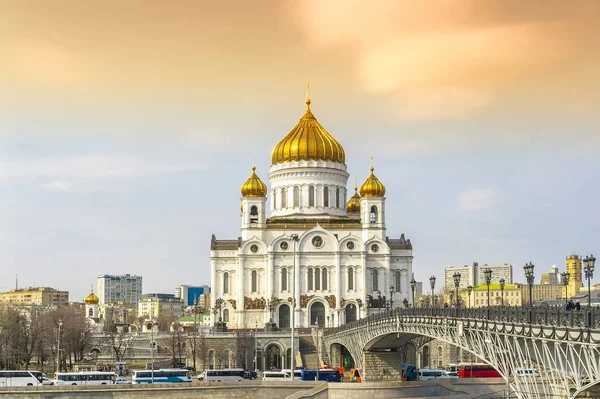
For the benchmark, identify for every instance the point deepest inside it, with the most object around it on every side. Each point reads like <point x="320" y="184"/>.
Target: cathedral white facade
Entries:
<point x="304" y="236"/>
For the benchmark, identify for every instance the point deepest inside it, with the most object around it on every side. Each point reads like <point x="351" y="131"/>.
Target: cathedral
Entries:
<point x="305" y="245"/>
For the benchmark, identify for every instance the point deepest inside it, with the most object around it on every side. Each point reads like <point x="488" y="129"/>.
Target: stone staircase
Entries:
<point x="308" y="351"/>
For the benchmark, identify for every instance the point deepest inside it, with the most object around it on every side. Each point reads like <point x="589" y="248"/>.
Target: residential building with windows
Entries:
<point x="511" y="295"/>
<point x="541" y="292"/>
<point x="573" y="266"/>
<point x="119" y="288"/>
<point x="35" y="296"/>
<point x="553" y="277"/>
<point x="155" y="305"/>
<point x="191" y="293"/>
<point x="473" y="275"/>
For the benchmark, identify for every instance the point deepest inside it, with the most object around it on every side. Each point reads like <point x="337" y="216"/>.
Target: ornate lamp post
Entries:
<point x="469" y="290"/>
<point x="391" y="297"/>
<point x="530" y="278"/>
<point x="487" y="273"/>
<point x="432" y="283"/>
<point x="565" y="280"/>
<point x="413" y="287"/>
<point x="456" y="277"/>
<point x="588" y="267"/>
<point x="502" y="282"/>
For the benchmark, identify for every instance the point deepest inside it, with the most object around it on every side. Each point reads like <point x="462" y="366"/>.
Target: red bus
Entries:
<point x="478" y="371"/>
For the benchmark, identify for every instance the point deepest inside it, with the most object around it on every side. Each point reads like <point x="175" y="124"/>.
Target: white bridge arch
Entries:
<point x="564" y="346"/>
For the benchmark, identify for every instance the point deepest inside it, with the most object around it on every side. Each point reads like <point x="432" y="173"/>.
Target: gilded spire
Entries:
<point x="254" y="187"/>
<point x="307" y="99"/>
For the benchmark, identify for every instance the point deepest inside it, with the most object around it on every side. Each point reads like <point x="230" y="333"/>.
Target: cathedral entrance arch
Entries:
<point x="317" y="314"/>
<point x="284" y="316"/>
<point x="350" y="313"/>
<point x="273" y="357"/>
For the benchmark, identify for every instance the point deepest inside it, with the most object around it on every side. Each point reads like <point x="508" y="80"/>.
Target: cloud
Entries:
<point x="477" y="199"/>
<point x="85" y="172"/>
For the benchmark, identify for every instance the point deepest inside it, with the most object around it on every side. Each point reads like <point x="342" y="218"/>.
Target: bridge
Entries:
<point x="562" y="345"/>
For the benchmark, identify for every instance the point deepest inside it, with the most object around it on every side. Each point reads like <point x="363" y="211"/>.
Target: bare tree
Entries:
<point x="175" y="343"/>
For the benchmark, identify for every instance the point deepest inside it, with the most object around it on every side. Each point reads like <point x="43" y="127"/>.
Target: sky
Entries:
<point x="127" y="128"/>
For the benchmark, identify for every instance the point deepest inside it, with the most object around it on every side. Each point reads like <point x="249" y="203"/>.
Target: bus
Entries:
<point x="478" y="371"/>
<point x="224" y="375"/>
<point x="21" y="378"/>
<point x="85" y="378"/>
<point x="162" y="376"/>
<point x="329" y="375"/>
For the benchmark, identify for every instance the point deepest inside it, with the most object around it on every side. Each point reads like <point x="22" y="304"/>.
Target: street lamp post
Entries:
<point x="565" y="280"/>
<point x="456" y="277"/>
<point x="502" y="282"/>
<point x="487" y="273"/>
<point x="60" y="324"/>
<point x="391" y="297"/>
<point x="469" y="290"/>
<point x="432" y="283"/>
<point x="295" y="239"/>
<point x="318" y="358"/>
<point x="379" y="301"/>
<point x="588" y="267"/>
<point x="413" y="287"/>
<point x="152" y="345"/>
<point x="528" y="268"/>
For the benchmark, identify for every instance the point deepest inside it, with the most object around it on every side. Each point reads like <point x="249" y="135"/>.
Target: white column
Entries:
<point x="270" y="282"/>
<point x="338" y="282"/>
<point x="297" y="284"/>
<point x="240" y="290"/>
<point x="215" y="287"/>
<point x="363" y="294"/>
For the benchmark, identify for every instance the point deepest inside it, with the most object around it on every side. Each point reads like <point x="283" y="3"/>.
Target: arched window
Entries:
<point x="398" y="281"/>
<point x="284" y="279"/>
<point x="337" y="197"/>
<point x="284" y="197"/>
<point x="225" y="283"/>
<point x="274" y="199"/>
<point x="254" y="281"/>
<point x="373" y="214"/>
<point x="91" y="312"/>
<point x="310" y="279"/>
<point x="254" y="214"/>
<point x="350" y="278"/>
<point x="226" y="315"/>
<point x="311" y="196"/>
<point x="317" y="279"/>
<point x="326" y="196"/>
<point x="324" y="278"/>
<point x="375" y="280"/>
<point x="296" y="197"/>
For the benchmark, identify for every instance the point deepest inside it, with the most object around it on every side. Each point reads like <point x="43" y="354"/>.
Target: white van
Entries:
<point x="276" y="376"/>
<point x="527" y="373"/>
<point x="427" y="374"/>
<point x="297" y="374"/>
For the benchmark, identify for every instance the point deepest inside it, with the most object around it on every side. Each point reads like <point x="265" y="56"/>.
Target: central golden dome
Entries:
<point x="308" y="140"/>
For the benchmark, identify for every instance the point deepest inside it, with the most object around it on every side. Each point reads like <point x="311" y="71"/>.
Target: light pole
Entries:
<point x="318" y="362"/>
<point x="379" y="301"/>
<point x="530" y="277"/>
<point x="391" y="297"/>
<point x="456" y="277"/>
<point x="413" y="287"/>
<point x="588" y="267"/>
<point x="152" y="344"/>
<point x="295" y="239"/>
<point x="469" y="290"/>
<point x="60" y="323"/>
<point x="487" y="273"/>
<point x="565" y="280"/>
<point x="432" y="283"/>
<point x="502" y="282"/>
<point x="255" y="346"/>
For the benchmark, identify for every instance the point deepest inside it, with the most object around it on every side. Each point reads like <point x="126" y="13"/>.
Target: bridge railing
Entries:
<point x="545" y="316"/>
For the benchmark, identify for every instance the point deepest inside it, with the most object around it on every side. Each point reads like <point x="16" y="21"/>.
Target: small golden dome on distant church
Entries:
<point x="353" y="206"/>
<point x="372" y="187"/>
<point x="92" y="299"/>
<point x="308" y="140"/>
<point x="254" y="187"/>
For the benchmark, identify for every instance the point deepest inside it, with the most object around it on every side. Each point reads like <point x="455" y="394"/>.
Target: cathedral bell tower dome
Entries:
<point x="372" y="187"/>
<point x="254" y="187"/>
<point x="353" y="207"/>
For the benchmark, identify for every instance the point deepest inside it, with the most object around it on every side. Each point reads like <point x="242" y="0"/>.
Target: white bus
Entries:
<point x="85" y="378"/>
<point x="224" y="375"/>
<point x="426" y="374"/>
<point x="297" y="374"/>
<point x="162" y="376"/>
<point x="21" y="378"/>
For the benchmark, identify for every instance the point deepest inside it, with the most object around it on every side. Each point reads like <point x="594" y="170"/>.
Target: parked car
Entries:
<point x="250" y="375"/>
<point x="47" y="381"/>
<point x="122" y="381"/>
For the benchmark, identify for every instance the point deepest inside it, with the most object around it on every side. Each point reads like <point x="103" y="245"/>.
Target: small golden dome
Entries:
<point x="308" y="140"/>
<point x="354" y="203"/>
<point x="372" y="187"/>
<point x="92" y="299"/>
<point x="254" y="187"/>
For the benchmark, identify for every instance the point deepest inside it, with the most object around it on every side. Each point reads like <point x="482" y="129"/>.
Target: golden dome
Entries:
<point x="92" y="299"/>
<point x="254" y="187"/>
<point x="354" y="203"/>
<point x="308" y="140"/>
<point x="372" y="187"/>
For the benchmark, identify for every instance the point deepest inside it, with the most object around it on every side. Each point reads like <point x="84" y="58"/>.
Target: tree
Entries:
<point x="175" y="343"/>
